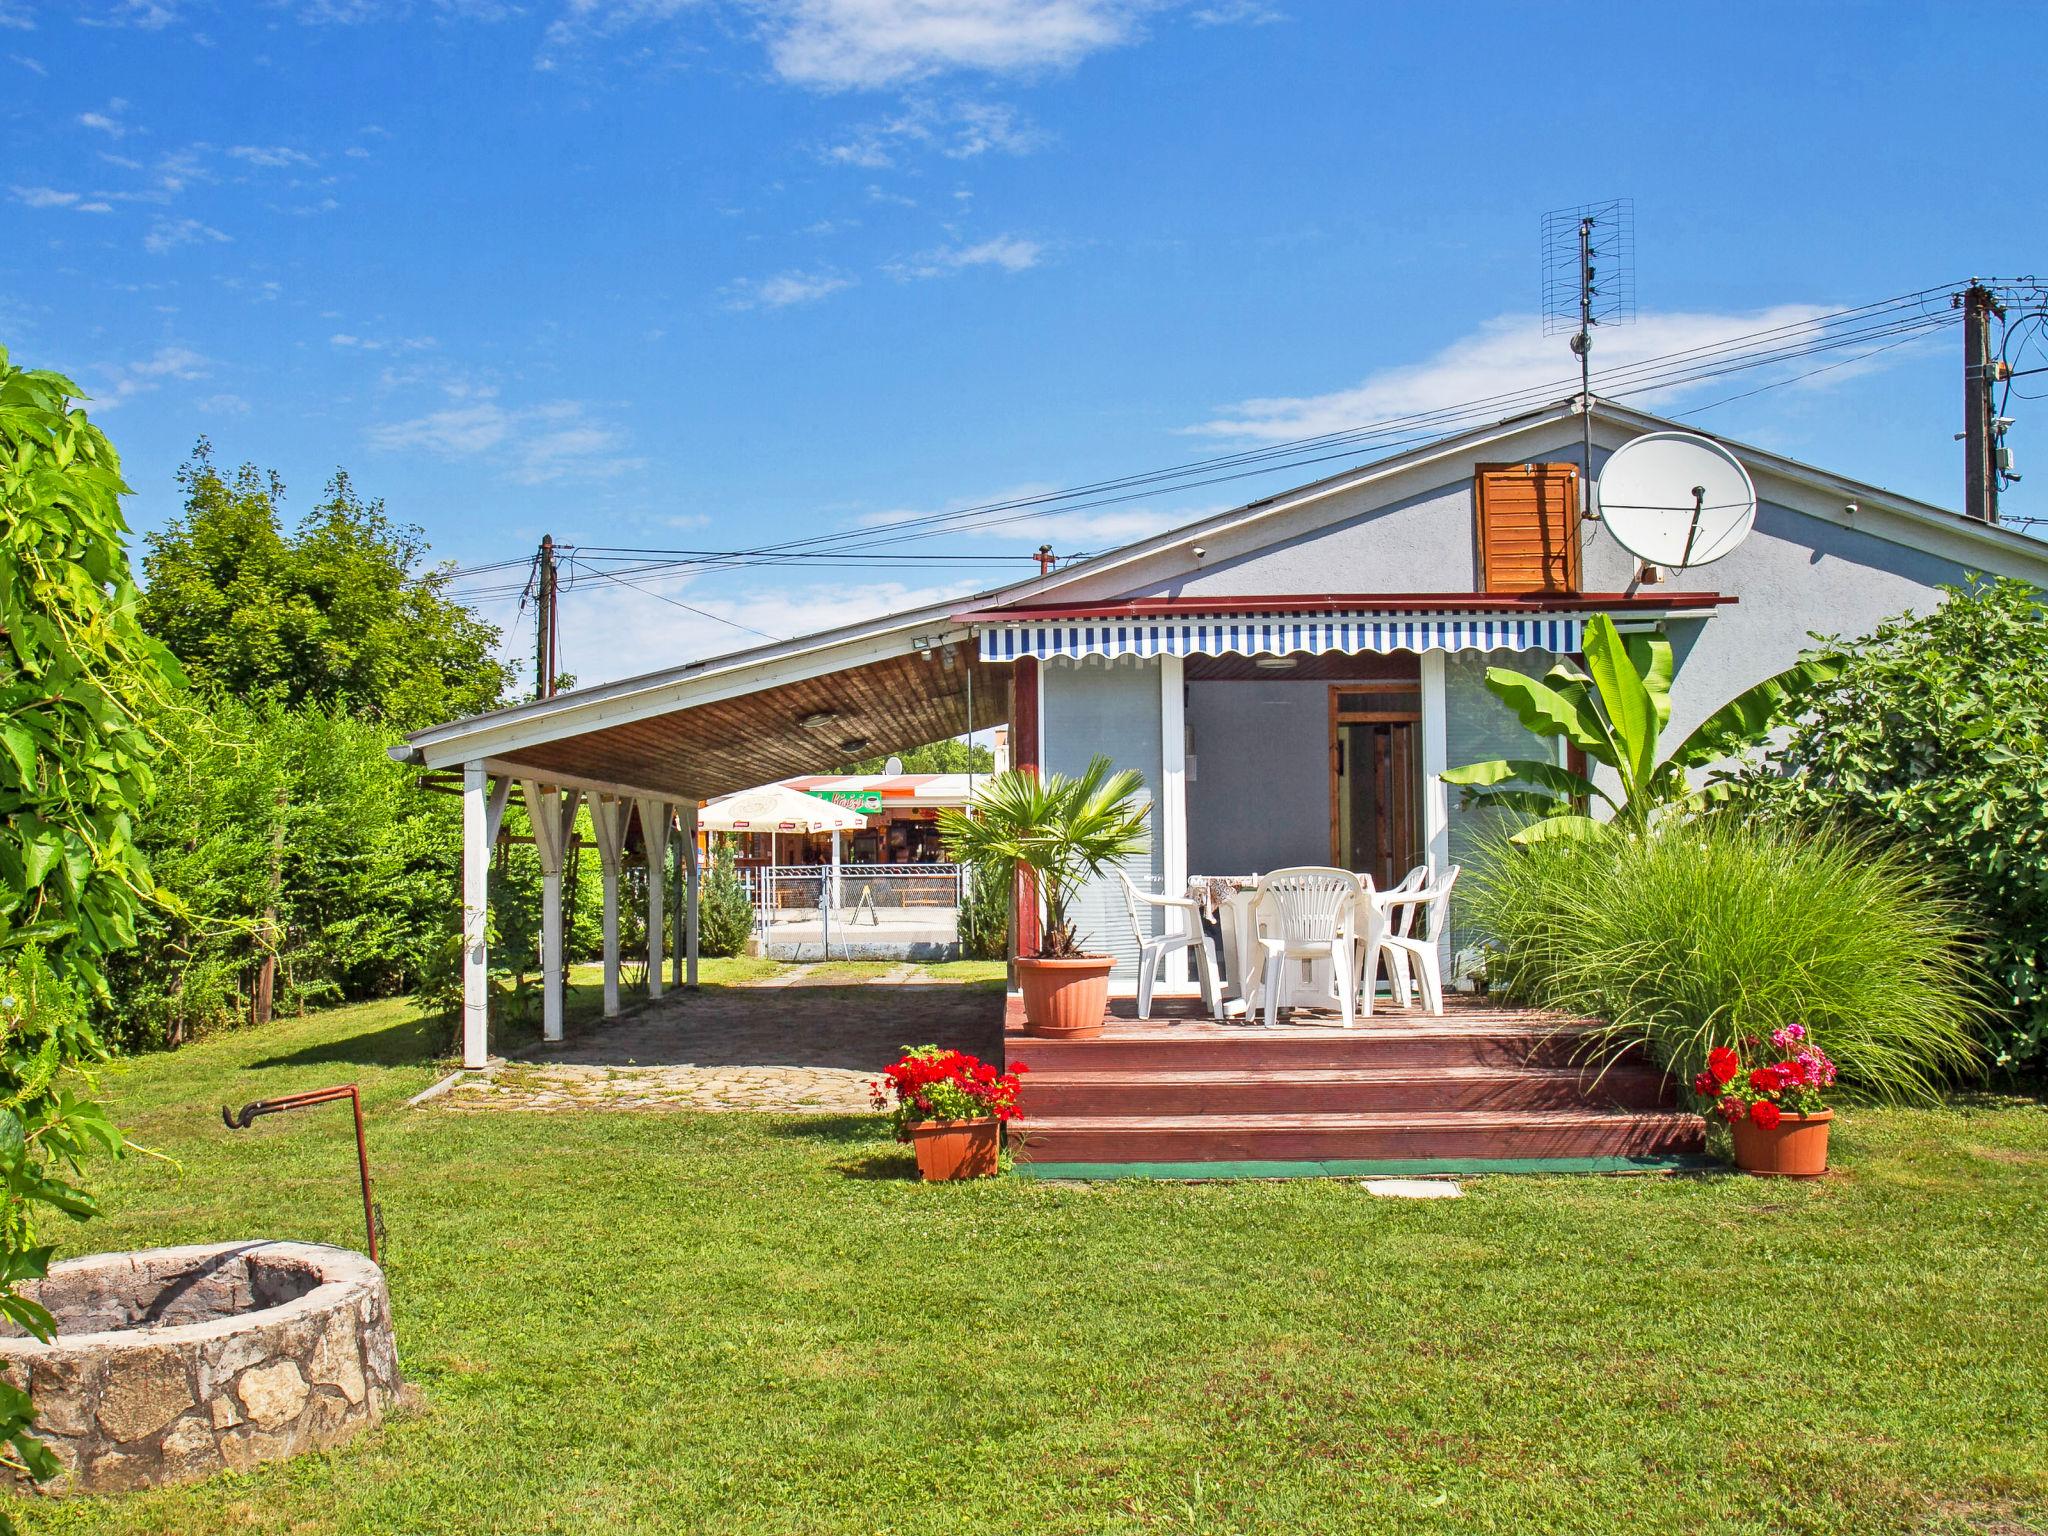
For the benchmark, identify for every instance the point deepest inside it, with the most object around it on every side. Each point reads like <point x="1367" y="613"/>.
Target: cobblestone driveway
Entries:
<point x="794" y="1044"/>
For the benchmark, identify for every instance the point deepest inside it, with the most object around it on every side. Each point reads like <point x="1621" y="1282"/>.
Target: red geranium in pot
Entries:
<point x="1775" y="1109"/>
<point x="950" y="1107"/>
<point x="1061" y="831"/>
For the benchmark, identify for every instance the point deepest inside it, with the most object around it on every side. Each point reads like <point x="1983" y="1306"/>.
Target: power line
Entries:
<point x="1876" y="326"/>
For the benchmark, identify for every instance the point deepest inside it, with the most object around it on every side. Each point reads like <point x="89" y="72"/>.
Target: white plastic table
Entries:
<point x="1234" y="899"/>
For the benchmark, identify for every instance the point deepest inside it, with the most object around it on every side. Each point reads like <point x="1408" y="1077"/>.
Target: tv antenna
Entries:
<point x="1589" y="279"/>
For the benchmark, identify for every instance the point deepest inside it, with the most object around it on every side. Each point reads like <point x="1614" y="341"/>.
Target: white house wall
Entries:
<point x="1096" y="706"/>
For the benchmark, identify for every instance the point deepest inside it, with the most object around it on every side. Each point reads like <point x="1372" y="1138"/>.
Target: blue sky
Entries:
<point x="705" y="273"/>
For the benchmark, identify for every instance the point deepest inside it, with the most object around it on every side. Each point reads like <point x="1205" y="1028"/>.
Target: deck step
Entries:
<point x="1247" y="1048"/>
<point x="1407" y="1135"/>
<point x="1085" y="1091"/>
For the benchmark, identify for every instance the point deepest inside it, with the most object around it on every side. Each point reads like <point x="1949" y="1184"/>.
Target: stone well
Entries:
<point x="175" y="1362"/>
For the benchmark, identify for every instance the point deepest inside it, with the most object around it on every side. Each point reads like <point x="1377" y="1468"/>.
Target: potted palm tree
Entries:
<point x="1061" y="831"/>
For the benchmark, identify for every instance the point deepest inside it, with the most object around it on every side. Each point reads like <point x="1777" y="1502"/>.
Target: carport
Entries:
<point x="647" y="751"/>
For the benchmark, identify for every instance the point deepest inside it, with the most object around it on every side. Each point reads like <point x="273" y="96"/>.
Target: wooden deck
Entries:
<point x="1481" y="1089"/>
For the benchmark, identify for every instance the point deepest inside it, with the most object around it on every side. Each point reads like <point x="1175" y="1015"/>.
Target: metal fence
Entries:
<point x="874" y="909"/>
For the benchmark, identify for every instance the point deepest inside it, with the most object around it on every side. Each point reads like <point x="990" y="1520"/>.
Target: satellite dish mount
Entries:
<point x="1676" y="499"/>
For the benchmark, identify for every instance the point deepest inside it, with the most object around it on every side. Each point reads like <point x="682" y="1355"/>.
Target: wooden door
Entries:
<point x="1376" y="779"/>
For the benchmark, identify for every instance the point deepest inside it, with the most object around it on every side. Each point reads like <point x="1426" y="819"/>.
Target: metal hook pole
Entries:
<point x="251" y="1112"/>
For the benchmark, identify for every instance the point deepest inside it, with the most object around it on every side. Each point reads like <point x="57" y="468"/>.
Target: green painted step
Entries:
<point x="1372" y="1168"/>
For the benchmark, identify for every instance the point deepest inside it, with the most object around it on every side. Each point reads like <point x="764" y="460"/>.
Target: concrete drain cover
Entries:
<point x="1414" y="1189"/>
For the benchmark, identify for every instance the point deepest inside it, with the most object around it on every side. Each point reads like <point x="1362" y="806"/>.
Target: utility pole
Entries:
<point x="1980" y="427"/>
<point x="546" y="637"/>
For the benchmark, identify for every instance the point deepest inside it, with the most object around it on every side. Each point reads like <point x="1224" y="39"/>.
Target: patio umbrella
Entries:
<point x="777" y="808"/>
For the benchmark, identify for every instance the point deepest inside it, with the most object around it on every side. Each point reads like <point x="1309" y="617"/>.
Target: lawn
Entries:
<point x="730" y="1323"/>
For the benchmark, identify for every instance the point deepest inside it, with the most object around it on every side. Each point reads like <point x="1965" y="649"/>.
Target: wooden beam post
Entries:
<point x="693" y="893"/>
<point x="476" y="875"/>
<point x="552" y="814"/>
<point x="1436" y="758"/>
<point x="1170" y="814"/>
<point x="654" y="834"/>
<point x="608" y="817"/>
<point x="1024" y="753"/>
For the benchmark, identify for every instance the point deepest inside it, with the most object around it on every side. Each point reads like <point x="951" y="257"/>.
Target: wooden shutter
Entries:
<point x="1528" y="527"/>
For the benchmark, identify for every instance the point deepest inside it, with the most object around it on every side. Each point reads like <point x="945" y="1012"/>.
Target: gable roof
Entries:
<point x="930" y="629"/>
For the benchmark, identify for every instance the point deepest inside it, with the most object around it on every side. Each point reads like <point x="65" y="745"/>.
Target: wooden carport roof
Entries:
<point x="732" y="722"/>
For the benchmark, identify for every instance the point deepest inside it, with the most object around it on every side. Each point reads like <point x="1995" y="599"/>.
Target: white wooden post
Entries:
<point x="1170" y="822"/>
<point x="608" y="816"/>
<point x="654" y="833"/>
<point x="1436" y="805"/>
<point x="476" y="876"/>
<point x="693" y="891"/>
<point x="552" y="814"/>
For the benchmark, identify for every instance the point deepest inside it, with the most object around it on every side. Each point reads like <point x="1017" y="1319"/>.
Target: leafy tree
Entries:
<point x="985" y="912"/>
<point x="725" y="917"/>
<point x="290" y="836"/>
<point x="1933" y="734"/>
<point x="1615" y="712"/>
<point x="957" y="755"/>
<point x="77" y="674"/>
<point x="339" y="613"/>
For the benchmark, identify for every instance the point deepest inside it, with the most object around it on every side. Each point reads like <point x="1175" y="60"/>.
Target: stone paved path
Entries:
<point x="799" y="1043"/>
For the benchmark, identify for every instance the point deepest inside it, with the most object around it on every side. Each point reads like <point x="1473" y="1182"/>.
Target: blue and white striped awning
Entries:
<point x="1348" y="634"/>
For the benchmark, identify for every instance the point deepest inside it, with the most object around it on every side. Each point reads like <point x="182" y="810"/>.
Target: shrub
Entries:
<point x="1706" y="932"/>
<point x="725" y="916"/>
<point x="985" y="912"/>
<point x="1934" y="735"/>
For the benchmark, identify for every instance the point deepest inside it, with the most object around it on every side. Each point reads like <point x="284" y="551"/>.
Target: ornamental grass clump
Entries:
<point x="1708" y="932"/>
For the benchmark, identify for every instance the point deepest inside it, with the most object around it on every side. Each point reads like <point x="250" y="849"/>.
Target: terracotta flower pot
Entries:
<point x="1795" y="1148"/>
<point x="1065" y="999"/>
<point x="955" y="1149"/>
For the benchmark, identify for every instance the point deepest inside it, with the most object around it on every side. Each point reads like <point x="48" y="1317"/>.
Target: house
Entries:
<point x="1289" y="676"/>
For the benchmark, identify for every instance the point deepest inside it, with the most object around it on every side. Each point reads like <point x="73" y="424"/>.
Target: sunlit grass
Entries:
<point x="749" y="1324"/>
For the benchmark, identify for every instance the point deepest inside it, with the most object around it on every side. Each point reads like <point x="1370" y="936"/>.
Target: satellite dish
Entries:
<point x="1675" y="499"/>
<point x="894" y="767"/>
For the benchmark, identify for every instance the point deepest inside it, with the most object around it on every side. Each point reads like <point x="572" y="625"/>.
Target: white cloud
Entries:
<point x="1009" y="252"/>
<point x="124" y="381"/>
<point x="222" y="405"/>
<point x="147" y="15"/>
<point x="537" y="444"/>
<point x="1507" y="355"/>
<point x="95" y="207"/>
<point x="1089" y="529"/>
<point x="960" y="130"/>
<point x="107" y="122"/>
<point x="840" y="44"/>
<point x="611" y="630"/>
<point x="44" y="197"/>
<point x="783" y="290"/>
<point x="33" y="66"/>
<point x="863" y="44"/>
<point x="169" y="234"/>
<point x="270" y="156"/>
<point x="1238" y="13"/>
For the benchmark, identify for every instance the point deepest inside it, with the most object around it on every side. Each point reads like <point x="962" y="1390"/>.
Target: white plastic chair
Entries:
<point x="1153" y="951"/>
<point x="1308" y="913"/>
<point x="1420" y="949"/>
<point x="1400" y="923"/>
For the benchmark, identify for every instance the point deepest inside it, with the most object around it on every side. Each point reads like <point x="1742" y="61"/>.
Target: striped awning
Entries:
<point x="1348" y="634"/>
